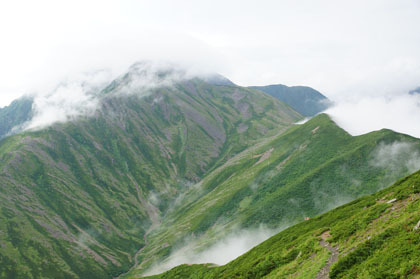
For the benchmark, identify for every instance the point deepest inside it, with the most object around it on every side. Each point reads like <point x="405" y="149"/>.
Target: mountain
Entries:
<point x="78" y="198"/>
<point x="216" y="79"/>
<point x="414" y="91"/>
<point x="305" y="100"/>
<point x="163" y="158"/>
<point x="376" y="236"/>
<point x="14" y="115"/>
<point x="303" y="172"/>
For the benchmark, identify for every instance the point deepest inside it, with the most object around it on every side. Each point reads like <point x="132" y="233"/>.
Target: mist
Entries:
<point x="398" y="159"/>
<point x="81" y="95"/>
<point x="362" y="55"/>
<point x="220" y="253"/>
<point x="68" y="100"/>
<point x="338" y="48"/>
<point x="399" y="112"/>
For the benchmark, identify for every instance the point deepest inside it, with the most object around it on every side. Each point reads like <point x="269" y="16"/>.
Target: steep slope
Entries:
<point x="377" y="236"/>
<point x="77" y="198"/>
<point x="305" y="100"/>
<point x="301" y="173"/>
<point x="14" y="115"/>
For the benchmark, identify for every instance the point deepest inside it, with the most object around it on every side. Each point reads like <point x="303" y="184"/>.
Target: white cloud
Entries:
<point x="338" y="47"/>
<point x="48" y="42"/>
<point x="69" y="100"/>
<point x="397" y="157"/>
<point x="355" y="52"/>
<point x="81" y="95"/>
<point x="400" y="113"/>
<point x="220" y="253"/>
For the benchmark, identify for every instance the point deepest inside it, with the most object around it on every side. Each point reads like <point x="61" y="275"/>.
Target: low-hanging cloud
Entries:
<point x="398" y="158"/>
<point x="68" y="100"/>
<point x="145" y="75"/>
<point x="220" y="253"/>
<point x="81" y="95"/>
<point x="363" y="114"/>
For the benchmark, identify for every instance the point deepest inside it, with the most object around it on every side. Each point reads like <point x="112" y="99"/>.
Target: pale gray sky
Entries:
<point x="342" y="48"/>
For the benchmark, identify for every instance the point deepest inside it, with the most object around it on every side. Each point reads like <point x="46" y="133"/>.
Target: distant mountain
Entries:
<point x="415" y="91"/>
<point x="305" y="100"/>
<point x="377" y="236"/>
<point x="14" y="115"/>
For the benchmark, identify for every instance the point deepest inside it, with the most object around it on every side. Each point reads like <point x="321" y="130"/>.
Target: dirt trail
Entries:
<point x="324" y="272"/>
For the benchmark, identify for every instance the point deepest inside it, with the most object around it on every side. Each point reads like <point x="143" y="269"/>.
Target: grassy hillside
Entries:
<point x="157" y="166"/>
<point x="377" y="236"/>
<point x="306" y="171"/>
<point x="77" y="199"/>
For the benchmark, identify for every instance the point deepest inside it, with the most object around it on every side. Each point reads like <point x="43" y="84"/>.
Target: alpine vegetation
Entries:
<point x="190" y="139"/>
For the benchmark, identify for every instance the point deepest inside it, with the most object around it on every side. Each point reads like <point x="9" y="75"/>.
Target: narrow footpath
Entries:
<point x="324" y="272"/>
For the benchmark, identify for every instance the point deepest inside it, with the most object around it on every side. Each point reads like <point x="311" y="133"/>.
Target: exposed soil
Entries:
<point x="265" y="156"/>
<point x="324" y="272"/>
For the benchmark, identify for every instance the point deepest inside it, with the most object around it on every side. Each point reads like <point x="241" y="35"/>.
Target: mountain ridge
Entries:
<point x="163" y="158"/>
<point x="245" y="193"/>
<point x="380" y="230"/>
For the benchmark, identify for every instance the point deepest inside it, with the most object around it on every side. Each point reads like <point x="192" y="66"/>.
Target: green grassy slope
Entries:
<point x="301" y="173"/>
<point x="376" y="236"/>
<point x="76" y="199"/>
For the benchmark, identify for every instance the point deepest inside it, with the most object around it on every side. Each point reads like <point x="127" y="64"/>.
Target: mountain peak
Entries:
<point x="150" y="74"/>
<point x="414" y="91"/>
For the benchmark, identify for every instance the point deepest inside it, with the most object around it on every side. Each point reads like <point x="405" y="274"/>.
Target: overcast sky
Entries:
<point x="345" y="49"/>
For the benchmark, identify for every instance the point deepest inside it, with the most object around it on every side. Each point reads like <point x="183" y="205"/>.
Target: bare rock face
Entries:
<point x="416" y="227"/>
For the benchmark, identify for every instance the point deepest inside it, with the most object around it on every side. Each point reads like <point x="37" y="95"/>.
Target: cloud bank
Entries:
<point x="81" y="95"/>
<point x="397" y="158"/>
<point x="360" y="115"/>
<point x="220" y="253"/>
<point x="68" y="100"/>
<point x="337" y="48"/>
<point x="361" y="49"/>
